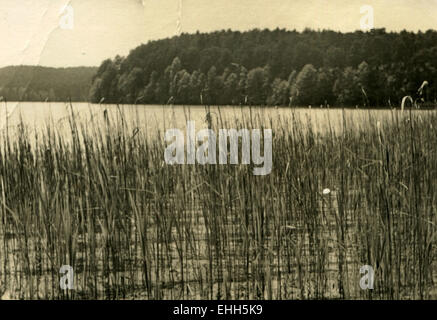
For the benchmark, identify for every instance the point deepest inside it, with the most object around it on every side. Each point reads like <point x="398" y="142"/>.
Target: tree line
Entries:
<point x="279" y="67"/>
<point x="258" y="67"/>
<point x="37" y="83"/>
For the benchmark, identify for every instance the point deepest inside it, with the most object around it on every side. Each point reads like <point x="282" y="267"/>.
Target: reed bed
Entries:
<point x="102" y="200"/>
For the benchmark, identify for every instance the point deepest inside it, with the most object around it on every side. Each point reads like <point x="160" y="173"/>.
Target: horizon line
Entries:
<point x="306" y="29"/>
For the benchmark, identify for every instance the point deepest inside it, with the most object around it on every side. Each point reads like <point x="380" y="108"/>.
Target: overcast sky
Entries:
<point x="40" y="31"/>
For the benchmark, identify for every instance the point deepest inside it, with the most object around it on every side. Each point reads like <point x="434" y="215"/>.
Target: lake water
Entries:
<point x="151" y="118"/>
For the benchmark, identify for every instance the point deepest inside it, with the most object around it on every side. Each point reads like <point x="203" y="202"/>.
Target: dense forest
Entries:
<point x="35" y="83"/>
<point x="263" y="67"/>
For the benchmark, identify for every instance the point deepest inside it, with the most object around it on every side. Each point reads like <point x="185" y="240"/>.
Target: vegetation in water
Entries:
<point x="103" y="201"/>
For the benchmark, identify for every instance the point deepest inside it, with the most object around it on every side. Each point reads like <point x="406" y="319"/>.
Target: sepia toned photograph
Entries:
<point x="238" y="150"/>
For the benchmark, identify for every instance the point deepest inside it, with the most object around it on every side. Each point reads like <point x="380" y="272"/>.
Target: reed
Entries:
<point x="102" y="200"/>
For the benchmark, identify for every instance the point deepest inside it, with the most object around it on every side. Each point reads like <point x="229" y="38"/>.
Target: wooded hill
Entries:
<point x="266" y="67"/>
<point x="35" y="83"/>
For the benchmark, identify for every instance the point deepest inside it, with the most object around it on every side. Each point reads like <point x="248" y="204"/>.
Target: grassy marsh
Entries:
<point x="102" y="200"/>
